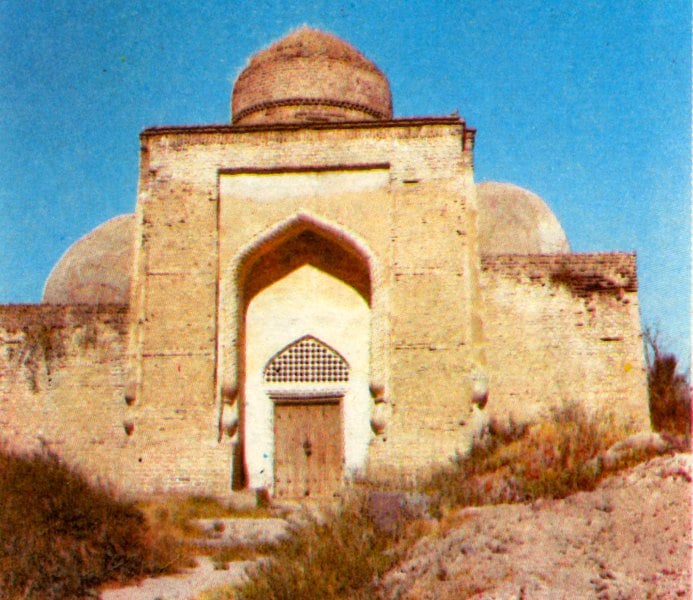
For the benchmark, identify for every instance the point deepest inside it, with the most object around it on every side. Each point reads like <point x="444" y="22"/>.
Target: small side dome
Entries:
<point x="96" y="269"/>
<point x="513" y="220"/>
<point x="310" y="76"/>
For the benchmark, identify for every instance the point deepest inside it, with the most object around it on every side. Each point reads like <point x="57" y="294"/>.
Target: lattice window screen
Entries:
<point x="307" y="361"/>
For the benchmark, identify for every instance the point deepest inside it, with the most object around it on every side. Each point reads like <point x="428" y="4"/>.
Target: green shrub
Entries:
<point x="61" y="537"/>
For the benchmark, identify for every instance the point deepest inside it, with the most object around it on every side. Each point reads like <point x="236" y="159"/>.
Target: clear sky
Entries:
<point x="585" y="103"/>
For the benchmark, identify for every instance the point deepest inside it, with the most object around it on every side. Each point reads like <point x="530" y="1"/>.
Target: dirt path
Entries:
<point x="183" y="586"/>
<point x="192" y="582"/>
<point x="630" y="538"/>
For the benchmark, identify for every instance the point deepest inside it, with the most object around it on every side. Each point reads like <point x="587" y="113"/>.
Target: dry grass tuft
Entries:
<point x="336" y="557"/>
<point x="172" y="515"/>
<point x="550" y="459"/>
<point x="221" y="557"/>
<point x="61" y="537"/>
<point x="669" y="391"/>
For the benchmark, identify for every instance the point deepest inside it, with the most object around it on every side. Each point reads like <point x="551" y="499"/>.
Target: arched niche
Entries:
<point x="255" y="266"/>
<point x="303" y="277"/>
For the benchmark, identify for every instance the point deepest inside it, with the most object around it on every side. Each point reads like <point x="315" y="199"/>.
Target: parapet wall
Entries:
<point x="564" y="328"/>
<point x="62" y="382"/>
<point x="583" y="274"/>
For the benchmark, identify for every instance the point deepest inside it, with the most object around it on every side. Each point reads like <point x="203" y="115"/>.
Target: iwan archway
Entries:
<point x="305" y="404"/>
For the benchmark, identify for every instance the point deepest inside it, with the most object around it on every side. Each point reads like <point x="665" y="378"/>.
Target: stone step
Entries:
<point x="235" y="531"/>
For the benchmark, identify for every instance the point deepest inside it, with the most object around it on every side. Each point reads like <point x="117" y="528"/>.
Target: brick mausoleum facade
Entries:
<point x="315" y="292"/>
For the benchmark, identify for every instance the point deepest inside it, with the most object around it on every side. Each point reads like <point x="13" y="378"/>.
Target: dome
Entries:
<point x="97" y="268"/>
<point x="513" y="220"/>
<point x="310" y="76"/>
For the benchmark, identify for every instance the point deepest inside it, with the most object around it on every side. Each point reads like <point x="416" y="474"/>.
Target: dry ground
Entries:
<point x="630" y="538"/>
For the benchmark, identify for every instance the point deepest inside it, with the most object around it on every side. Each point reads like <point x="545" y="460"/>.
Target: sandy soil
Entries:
<point x="189" y="584"/>
<point x="630" y="538"/>
<point x="183" y="586"/>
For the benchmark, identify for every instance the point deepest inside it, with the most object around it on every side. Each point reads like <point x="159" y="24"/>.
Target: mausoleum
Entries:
<point x="315" y="292"/>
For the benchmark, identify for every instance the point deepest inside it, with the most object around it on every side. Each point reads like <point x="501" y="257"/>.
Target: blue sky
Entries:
<point x="585" y="103"/>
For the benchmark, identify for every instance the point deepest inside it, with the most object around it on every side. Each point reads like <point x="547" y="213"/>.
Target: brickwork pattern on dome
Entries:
<point x="310" y="76"/>
<point x="307" y="361"/>
<point x="296" y="103"/>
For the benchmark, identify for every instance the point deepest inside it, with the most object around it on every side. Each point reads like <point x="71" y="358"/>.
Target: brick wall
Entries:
<point x="416" y="225"/>
<point x="563" y="328"/>
<point x="136" y="396"/>
<point x="62" y="382"/>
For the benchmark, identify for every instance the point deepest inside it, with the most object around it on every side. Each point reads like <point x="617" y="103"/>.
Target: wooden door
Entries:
<point x="308" y="448"/>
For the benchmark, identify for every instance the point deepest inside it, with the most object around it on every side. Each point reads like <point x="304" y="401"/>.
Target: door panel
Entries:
<point x="308" y="452"/>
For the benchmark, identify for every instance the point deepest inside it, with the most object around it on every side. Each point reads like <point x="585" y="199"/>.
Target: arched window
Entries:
<point x="307" y="360"/>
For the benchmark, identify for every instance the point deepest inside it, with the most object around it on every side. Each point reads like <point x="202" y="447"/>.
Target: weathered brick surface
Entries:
<point x="564" y="328"/>
<point x="413" y="220"/>
<point x="314" y="214"/>
<point x="62" y="382"/>
<point x="135" y="395"/>
<point x="583" y="274"/>
<point x="310" y="76"/>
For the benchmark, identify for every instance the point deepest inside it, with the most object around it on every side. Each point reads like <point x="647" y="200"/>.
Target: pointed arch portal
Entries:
<point x="304" y="323"/>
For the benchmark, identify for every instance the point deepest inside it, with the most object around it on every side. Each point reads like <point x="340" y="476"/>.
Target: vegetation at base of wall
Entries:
<point x="345" y="556"/>
<point x="669" y="390"/>
<point x="337" y="556"/>
<point x="61" y="537"/>
<point x="519" y="463"/>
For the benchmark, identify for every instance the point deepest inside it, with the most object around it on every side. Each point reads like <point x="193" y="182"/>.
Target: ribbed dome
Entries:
<point x="513" y="220"/>
<point x="310" y="76"/>
<point x="97" y="268"/>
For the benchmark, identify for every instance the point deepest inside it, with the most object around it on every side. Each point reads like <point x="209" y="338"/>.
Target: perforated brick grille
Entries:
<point x="307" y="361"/>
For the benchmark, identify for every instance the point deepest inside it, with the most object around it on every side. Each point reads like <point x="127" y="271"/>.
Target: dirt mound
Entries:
<point x="629" y="538"/>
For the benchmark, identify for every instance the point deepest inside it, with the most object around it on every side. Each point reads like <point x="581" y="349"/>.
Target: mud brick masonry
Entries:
<point x="316" y="292"/>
